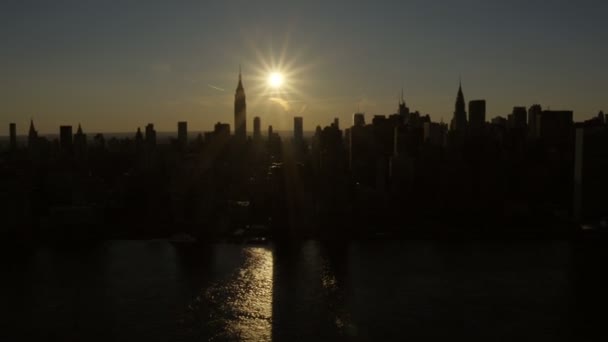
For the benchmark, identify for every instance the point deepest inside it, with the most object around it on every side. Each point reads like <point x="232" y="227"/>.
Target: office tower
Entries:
<point x="240" y="112"/>
<point x="219" y="136"/>
<point x="80" y="141"/>
<point x="534" y="121"/>
<point x="500" y="122"/>
<point x="182" y="133"/>
<point x="404" y="111"/>
<point x="477" y="115"/>
<point x="556" y="127"/>
<point x="434" y="133"/>
<point x="150" y="135"/>
<point x="65" y="138"/>
<point x="13" y="135"/>
<point x="269" y="131"/>
<point x="518" y="118"/>
<point x="139" y="139"/>
<point x="359" y="119"/>
<point x="578" y="172"/>
<point x="383" y="134"/>
<point x="32" y="137"/>
<point x="257" y="133"/>
<point x="459" y="121"/>
<point x="337" y="123"/>
<point x="222" y="129"/>
<point x="298" y="129"/>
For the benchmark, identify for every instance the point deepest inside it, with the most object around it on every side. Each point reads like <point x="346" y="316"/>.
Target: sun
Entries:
<point x="276" y="80"/>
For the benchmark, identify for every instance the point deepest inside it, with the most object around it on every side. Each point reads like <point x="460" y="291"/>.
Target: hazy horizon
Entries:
<point x="114" y="66"/>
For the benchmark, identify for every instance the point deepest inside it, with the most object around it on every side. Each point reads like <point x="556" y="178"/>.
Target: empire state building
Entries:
<point x="240" y="112"/>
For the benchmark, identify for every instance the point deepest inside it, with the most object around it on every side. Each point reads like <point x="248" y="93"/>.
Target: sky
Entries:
<point x="114" y="66"/>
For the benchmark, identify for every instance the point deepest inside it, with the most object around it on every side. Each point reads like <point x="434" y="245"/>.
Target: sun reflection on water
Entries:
<point x="240" y="308"/>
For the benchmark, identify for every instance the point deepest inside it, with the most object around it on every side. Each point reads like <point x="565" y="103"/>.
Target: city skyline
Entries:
<point x="315" y="171"/>
<point x="117" y="67"/>
<point x="458" y="121"/>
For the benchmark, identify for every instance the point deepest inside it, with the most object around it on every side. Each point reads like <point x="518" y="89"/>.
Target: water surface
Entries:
<point x="358" y="291"/>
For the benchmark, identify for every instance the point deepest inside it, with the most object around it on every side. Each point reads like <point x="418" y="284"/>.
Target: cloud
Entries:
<point x="214" y="87"/>
<point x="303" y="109"/>
<point x="282" y="102"/>
<point x="364" y="103"/>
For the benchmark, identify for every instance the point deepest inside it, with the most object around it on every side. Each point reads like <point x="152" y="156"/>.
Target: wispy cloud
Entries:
<point x="303" y="109"/>
<point x="214" y="87"/>
<point x="364" y="103"/>
<point x="282" y="102"/>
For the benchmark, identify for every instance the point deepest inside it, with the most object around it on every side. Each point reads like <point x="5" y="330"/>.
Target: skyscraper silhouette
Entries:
<point x="359" y="119"/>
<point x="534" y="121"/>
<point x="182" y="133"/>
<point x="150" y="135"/>
<point x="477" y="115"/>
<point x="257" y="133"/>
<point x="240" y="111"/>
<point x="518" y="118"/>
<point x="298" y="129"/>
<point x="65" y="138"/>
<point x="404" y="111"/>
<point x="139" y="139"/>
<point x="80" y="141"/>
<point x="32" y="136"/>
<point x="459" y="121"/>
<point x="13" y="136"/>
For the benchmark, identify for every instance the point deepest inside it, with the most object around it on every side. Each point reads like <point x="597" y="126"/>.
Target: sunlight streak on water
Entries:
<point x="240" y="308"/>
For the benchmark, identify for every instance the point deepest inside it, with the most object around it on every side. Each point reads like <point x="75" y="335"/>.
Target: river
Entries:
<point x="352" y="291"/>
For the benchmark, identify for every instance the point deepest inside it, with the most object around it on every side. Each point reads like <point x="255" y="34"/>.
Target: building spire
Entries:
<point x="240" y="85"/>
<point x="460" y="87"/>
<point x="32" y="128"/>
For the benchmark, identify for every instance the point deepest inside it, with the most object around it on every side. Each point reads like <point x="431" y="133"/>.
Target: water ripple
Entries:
<point x="241" y="307"/>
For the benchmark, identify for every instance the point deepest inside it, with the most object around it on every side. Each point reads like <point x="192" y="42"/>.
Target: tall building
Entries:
<point x="459" y="121"/>
<point x="500" y="121"/>
<point x="12" y="127"/>
<point x="518" y="118"/>
<point x="404" y="111"/>
<point x="435" y="133"/>
<point x="139" y="139"/>
<point x="556" y="127"/>
<point x="337" y="123"/>
<point x="65" y="138"/>
<point x="477" y="115"/>
<point x="32" y="137"/>
<point x="150" y="135"/>
<point x="80" y="141"/>
<point x="534" y="121"/>
<point x="222" y="129"/>
<point x="578" y="172"/>
<point x="257" y="128"/>
<point x="359" y="119"/>
<point x="298" y="129"/>
<point x="240" y="111"/>
<point x="182" y="133"/>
